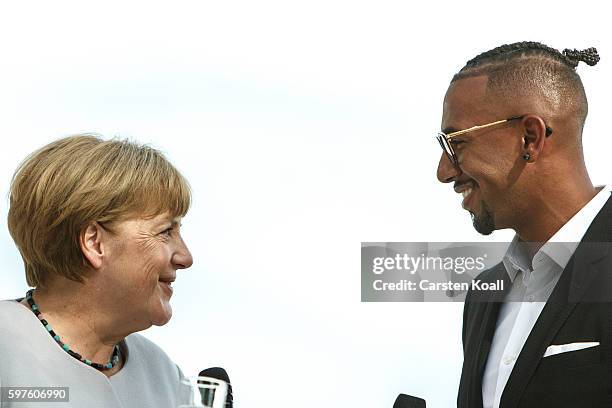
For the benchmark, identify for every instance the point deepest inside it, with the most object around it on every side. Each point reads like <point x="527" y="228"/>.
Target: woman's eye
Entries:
<point x="166" y="231"/>
<point x="456" y="142"/>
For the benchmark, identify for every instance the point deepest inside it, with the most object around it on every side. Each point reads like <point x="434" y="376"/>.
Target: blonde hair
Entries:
<point x="58" y="190"/>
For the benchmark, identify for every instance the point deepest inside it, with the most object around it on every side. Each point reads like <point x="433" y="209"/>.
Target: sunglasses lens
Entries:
<point x="446" y="147"/>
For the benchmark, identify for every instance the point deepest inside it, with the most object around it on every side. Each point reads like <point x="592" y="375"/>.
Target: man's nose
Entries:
<point x="447" y="172"/>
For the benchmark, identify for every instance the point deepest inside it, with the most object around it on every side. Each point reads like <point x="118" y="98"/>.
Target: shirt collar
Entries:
<point x="515" y="260"/>
<point x="561" y="246"/>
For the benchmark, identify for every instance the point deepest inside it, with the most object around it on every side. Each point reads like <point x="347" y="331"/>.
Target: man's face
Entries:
<point x="488" y="160"/>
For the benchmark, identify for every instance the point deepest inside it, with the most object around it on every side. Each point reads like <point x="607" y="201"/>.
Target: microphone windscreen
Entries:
<point x="219" y="373"/>
<point x="408" y="401"/>
<point x="215" y="372"/>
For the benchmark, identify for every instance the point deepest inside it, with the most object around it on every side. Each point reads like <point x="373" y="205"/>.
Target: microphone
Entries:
<point x="408" y="401"/>
<point x="208" y="394"/>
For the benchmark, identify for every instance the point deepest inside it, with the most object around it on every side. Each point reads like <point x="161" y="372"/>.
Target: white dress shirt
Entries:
<point x="532" y="283"/>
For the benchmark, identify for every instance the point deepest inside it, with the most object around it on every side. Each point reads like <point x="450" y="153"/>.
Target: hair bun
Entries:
<point x="588" y="56"/>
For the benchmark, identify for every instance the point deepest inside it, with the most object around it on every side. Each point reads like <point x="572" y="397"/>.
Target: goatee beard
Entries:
<point x="484" y="222"/>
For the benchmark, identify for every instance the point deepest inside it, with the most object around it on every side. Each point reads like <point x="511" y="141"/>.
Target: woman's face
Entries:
<point x="143" y="257"/>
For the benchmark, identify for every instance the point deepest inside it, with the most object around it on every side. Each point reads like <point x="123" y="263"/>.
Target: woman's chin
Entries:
<point x="162" y="313"/>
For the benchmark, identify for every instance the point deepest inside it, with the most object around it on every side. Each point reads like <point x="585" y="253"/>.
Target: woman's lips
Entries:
<point x="167" y="286"/>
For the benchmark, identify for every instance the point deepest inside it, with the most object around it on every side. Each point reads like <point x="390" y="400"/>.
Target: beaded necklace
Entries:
<point x="102" y="367"/>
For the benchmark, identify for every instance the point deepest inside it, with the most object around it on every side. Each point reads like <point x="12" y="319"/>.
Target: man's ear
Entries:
<point x="94" y="241"/>
<point x="534" y="136"/>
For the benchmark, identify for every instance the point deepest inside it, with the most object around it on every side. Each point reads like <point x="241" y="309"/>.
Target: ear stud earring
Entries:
<point x="526" y="156"/>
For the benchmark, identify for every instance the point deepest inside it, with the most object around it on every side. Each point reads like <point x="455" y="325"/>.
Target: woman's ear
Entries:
<point x="93" y="245"/>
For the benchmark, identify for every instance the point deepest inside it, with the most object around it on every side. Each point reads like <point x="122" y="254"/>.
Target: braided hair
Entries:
<point x="527" y="67"/>
<point x="508" y="51"/>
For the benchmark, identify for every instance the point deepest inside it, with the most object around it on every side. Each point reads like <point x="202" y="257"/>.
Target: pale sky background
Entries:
<point x="304" y="129"/>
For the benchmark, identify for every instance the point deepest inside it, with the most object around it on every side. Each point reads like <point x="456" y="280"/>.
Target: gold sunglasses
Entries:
<point x="445" y="138"/>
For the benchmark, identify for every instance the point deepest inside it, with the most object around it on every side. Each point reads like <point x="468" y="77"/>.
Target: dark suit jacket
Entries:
<point x="578" y="310"/>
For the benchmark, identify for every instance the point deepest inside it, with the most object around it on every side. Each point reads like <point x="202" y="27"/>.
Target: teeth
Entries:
<point x="466" y="192"/>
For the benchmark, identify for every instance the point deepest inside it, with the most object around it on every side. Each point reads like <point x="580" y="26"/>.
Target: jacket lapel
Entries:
<point x="489" y="320"/>
<point x="488" y="310"/>
<point x="577" y="275"/>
